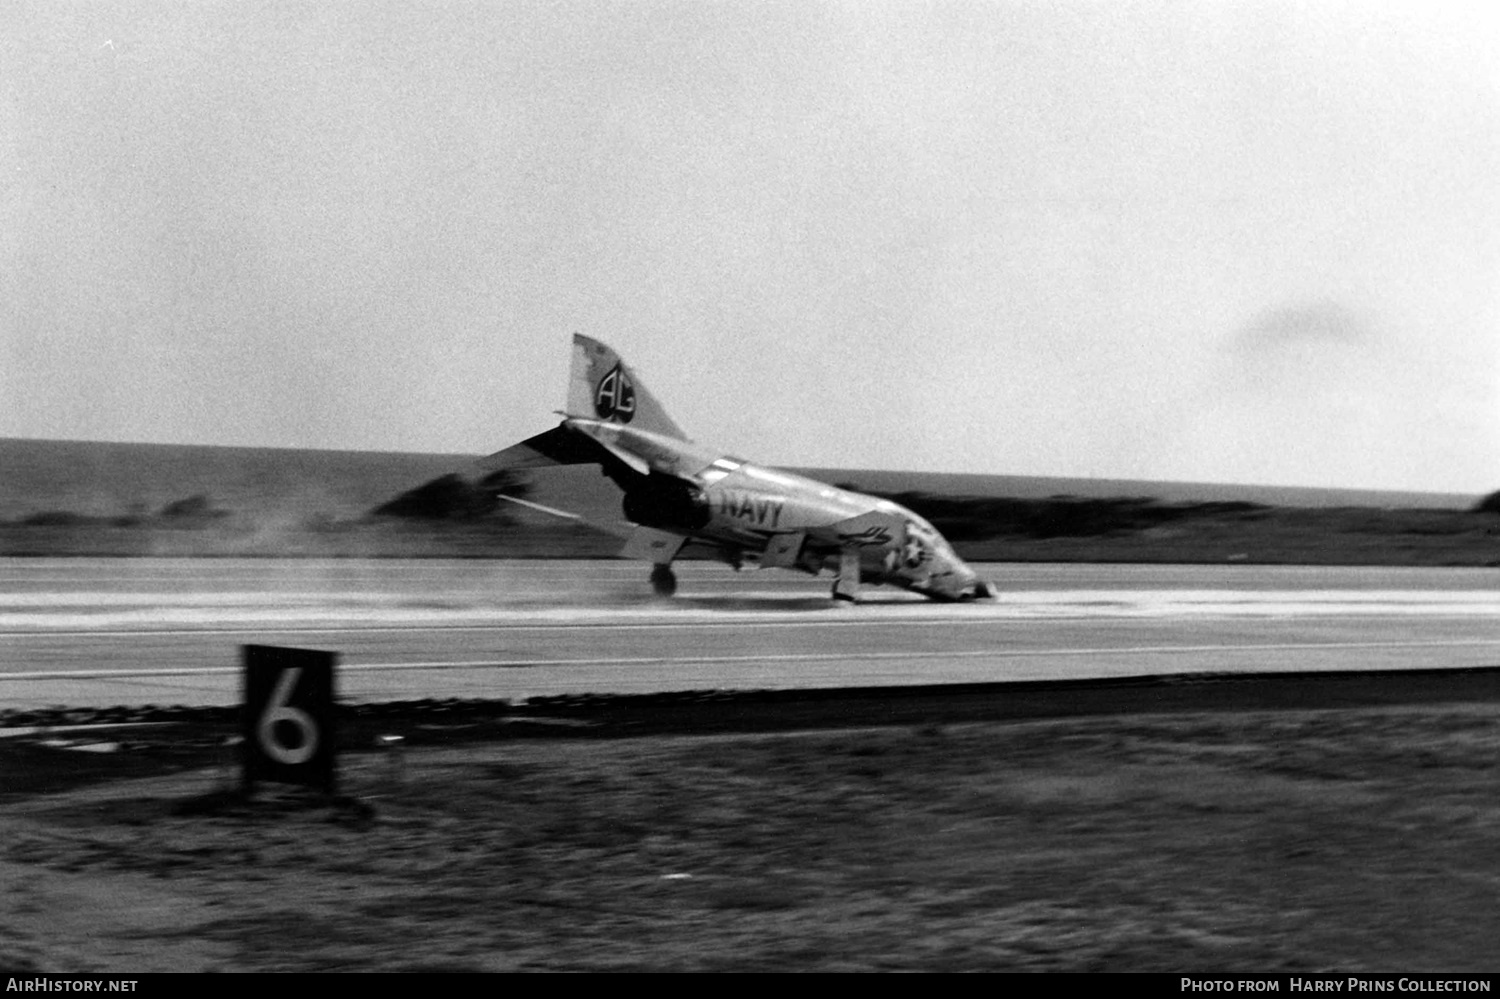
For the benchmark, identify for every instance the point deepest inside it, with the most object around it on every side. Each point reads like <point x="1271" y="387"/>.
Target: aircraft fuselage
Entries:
<point x="677" y="491"/>
<point x="776" y="517"/>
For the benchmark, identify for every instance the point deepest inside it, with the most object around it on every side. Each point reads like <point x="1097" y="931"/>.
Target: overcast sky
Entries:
<point x="1239" y="242"/>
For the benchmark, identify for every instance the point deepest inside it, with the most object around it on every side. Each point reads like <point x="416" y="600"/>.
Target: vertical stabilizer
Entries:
<point x="603" y="387"/>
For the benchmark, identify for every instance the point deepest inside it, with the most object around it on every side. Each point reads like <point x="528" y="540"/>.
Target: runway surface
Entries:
<point x="93" y="632"/>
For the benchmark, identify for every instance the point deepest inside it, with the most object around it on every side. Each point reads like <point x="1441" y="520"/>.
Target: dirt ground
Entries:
<point x="1348" y="840"/>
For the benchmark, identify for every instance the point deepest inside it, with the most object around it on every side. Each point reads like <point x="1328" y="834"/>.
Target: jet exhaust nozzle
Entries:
<point x="667" y="503"/>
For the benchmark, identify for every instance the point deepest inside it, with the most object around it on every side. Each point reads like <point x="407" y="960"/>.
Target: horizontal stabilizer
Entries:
<point x="557" y="446"/>
<point x="634" y="461"/>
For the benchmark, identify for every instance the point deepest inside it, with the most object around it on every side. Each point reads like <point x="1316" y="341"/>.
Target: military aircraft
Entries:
<point x="679" y="493"/>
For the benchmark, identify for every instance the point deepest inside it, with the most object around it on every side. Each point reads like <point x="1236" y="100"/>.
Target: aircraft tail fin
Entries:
<point x="602" y="386"/>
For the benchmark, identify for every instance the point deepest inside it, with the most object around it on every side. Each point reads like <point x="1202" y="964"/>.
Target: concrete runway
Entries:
<point x="93" y="632"/>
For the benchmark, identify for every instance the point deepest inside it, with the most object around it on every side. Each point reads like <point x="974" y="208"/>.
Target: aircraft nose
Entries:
<point x="970" y="586"/>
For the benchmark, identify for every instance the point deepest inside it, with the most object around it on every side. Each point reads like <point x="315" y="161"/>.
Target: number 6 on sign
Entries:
<point x="279" y="711"/>
<point x="287" y="719"/>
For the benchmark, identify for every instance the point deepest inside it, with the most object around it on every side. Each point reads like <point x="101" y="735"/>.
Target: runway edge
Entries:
<point x="707" y="711"/>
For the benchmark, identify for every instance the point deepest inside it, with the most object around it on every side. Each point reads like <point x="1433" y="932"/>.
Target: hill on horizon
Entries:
<point x="104" y="479"/>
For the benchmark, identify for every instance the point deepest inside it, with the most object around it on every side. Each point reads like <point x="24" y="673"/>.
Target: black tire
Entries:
<point x="663" y="580"/>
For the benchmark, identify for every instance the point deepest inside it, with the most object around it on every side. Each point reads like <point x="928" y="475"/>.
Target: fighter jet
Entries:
<point x="679" y="493"/>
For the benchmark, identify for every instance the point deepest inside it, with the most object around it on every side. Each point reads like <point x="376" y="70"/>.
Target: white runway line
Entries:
<point x="736" y="624"/>
<point x="149" y="612"/>
<point x="793" y="657"/>
<point x="175" y="624"/>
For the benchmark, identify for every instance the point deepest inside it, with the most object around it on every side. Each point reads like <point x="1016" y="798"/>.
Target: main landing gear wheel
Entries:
<point x="841" y="592"/>
<point x="663" y="580"/>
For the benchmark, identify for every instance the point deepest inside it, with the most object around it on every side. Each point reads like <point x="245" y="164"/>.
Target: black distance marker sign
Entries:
<point x="287" y="716"/>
